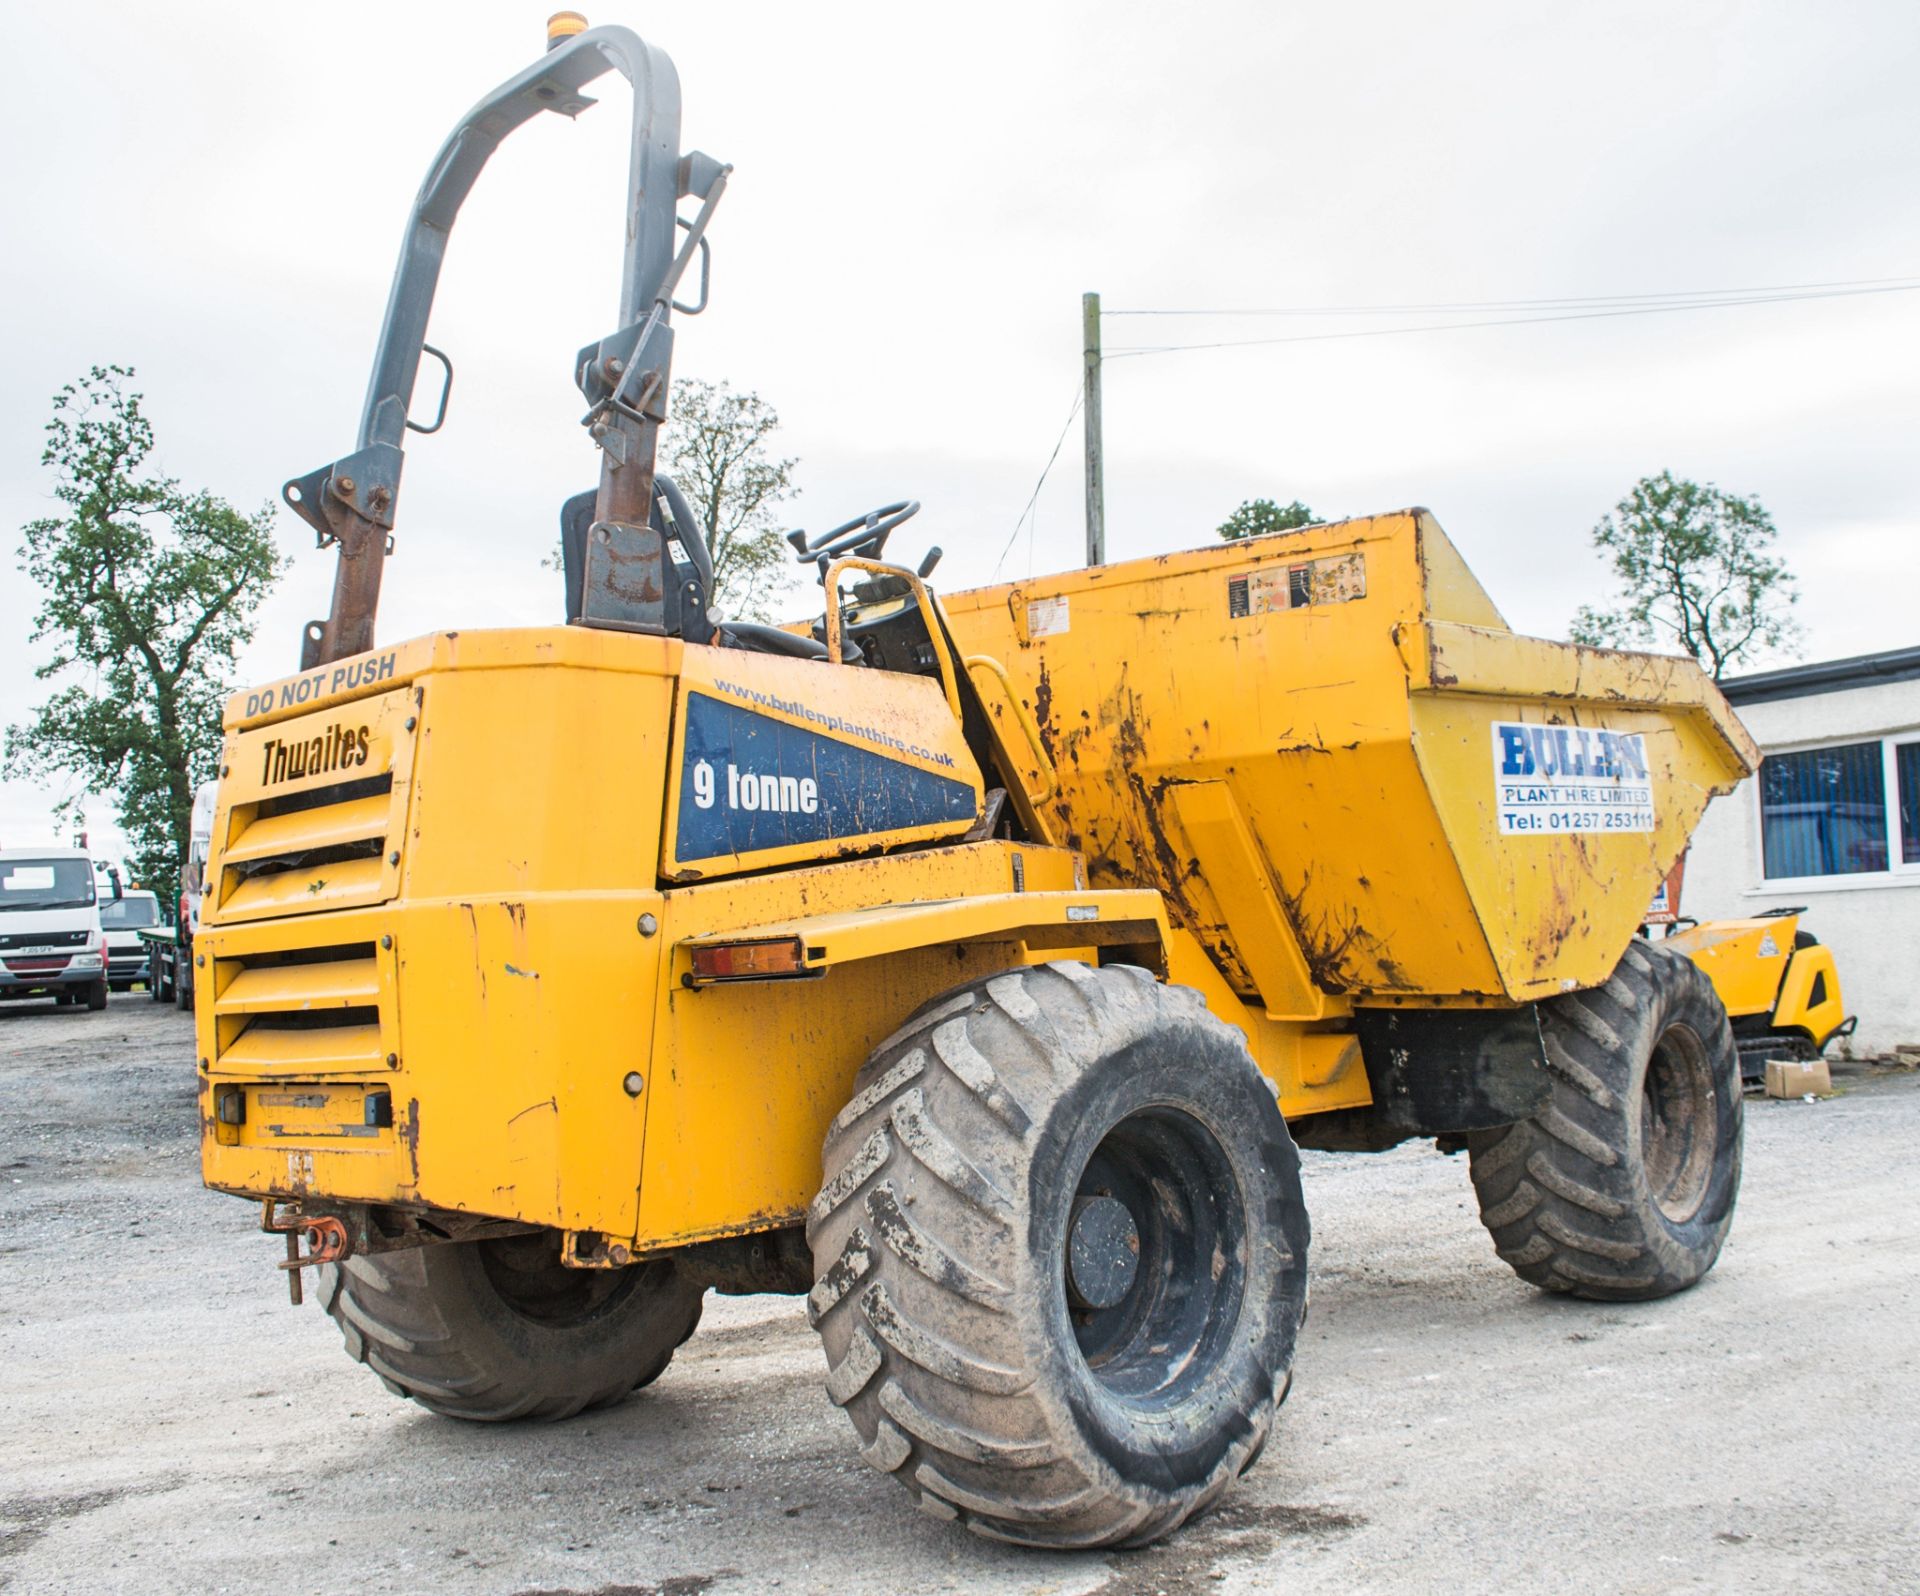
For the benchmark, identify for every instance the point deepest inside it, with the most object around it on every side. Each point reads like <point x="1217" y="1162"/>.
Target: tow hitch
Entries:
<point x="327" y="1242"/>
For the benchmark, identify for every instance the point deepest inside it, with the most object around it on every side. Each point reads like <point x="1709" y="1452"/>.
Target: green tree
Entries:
<point x="719" y="450"/>
<point x="148" y="592"/>
<point x="1695" y="565"/>
<point x="716" y="448"/>
<point x="1259" y="516"/>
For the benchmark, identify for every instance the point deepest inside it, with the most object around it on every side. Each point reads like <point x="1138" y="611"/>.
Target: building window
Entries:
<point x="1826" y="811"/>
<point x="1907" y="762"/>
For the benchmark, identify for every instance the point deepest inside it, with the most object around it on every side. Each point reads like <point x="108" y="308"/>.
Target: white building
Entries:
<point x="1832" y="821"/>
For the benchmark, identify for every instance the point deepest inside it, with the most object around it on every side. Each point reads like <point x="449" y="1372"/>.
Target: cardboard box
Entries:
<point x="1793" y="1077"/>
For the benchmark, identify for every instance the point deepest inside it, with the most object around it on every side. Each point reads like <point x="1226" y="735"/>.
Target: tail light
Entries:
<point x="758" y="960"/>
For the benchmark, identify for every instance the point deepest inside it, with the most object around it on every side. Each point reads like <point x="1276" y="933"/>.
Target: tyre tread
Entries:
<point x="391" y="1320"/>
<point x="1560" y="1192"/>
<point x="928" y="1364"/>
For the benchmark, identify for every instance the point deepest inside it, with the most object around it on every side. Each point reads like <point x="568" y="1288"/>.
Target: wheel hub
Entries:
<point x="1103" y="1252"/>
<point x="1154" y="1256"/>
<point x="1678" y="1133"/>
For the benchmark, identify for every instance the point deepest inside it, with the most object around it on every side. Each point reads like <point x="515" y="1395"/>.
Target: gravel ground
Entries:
<point x="169" y="1424"/>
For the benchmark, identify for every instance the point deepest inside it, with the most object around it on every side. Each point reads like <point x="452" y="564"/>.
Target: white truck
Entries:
<point x="51" y="941"/>
<point x="129" y="955"/>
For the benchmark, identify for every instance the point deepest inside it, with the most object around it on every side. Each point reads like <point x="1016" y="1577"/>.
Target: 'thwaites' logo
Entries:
<point x="339" y="747"/>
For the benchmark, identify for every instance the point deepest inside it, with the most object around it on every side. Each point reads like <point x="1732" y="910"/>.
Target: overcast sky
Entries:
<point x="214" y="194"/>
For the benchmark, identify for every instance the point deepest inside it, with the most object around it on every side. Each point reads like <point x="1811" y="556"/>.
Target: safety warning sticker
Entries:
<point x="1334" y="580"/>
<point x="1048" y="617"/>
<point x="1550" y="780"/>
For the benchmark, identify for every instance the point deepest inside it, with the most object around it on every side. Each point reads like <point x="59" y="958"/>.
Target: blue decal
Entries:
<point x="749" y="783"/>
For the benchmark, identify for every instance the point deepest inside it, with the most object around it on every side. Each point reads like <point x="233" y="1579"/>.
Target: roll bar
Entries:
<point x="624" y="376"/>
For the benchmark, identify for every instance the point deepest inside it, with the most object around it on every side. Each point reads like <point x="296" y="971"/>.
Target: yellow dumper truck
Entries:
<point x="973" y="967"/>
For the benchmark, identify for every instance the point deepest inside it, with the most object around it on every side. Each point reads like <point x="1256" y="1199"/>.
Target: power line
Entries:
<point x="1563" y="302"/>
<point x="1125" y="353"/>
<point x="1034" y="497"/>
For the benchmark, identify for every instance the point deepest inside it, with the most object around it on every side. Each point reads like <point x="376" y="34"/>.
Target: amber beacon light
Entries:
<point x="562" y="26"/>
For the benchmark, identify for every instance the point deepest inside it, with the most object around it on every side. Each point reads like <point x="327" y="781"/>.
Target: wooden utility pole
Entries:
<point x="1096" y="464"/>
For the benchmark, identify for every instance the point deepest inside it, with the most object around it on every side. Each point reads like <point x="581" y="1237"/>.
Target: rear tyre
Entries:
<point x="1622" y="1188"/>
<point x="1061" y="1257"/>
<point x="182" y="984"/>
<point x="494" y="1330"/>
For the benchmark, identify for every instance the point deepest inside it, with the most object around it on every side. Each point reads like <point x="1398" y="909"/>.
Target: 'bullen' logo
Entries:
<point x="1563" y="751"/>
<point x="338" y="748"/>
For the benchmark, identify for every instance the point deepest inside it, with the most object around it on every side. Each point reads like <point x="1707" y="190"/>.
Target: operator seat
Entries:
<point x="576" y="520"/>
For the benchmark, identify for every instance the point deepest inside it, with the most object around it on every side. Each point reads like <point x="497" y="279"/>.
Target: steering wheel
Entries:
<point x="866" y="535"/>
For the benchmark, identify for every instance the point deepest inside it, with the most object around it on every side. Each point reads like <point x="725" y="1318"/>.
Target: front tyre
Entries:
<point x="495" y="1330"/>
<point x="1061" y="1255"/>
<point x="1622" y="1188"/>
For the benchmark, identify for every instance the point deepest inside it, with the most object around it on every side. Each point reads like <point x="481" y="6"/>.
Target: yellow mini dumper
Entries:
<point x="972" y="968"/>
<point x="1780" y="985"/>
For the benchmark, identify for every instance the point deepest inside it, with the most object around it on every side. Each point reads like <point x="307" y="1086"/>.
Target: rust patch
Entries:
<point x="1331" y="947"/>
<point x="410" y="1137"/>
<point x="473" y="931"/>
<point x="1130" y="759"/>
<point x="1043" y="709"/>
<point x="1566" y="919"/>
